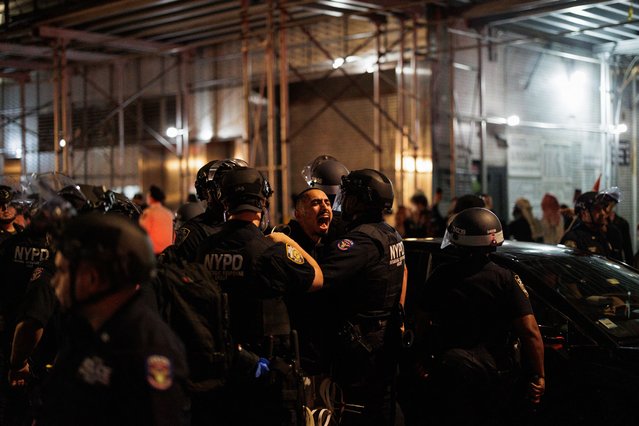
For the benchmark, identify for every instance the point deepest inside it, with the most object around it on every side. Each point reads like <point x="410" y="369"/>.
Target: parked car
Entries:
<point x="587" y="308"/>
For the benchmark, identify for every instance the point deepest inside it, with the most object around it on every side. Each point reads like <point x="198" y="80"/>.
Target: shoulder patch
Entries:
<point x="181" y="235"/>
<point x="521" y="285"/>
<point x="294" y="255"/>
<point x="345" y="244"/>
<point x="37" y="273"/>
<point x="159" y="372"/>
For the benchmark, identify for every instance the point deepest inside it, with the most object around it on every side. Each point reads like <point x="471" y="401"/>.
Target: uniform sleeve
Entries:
<point x="283" y="270"/>
<point x="166" y="375"/>
<point x="40" y="301"/>
<point x="346" y="258"/>
<point x="519" y="298"/>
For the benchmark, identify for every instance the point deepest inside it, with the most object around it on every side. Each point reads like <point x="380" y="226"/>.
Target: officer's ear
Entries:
<point x="89" y="275"/>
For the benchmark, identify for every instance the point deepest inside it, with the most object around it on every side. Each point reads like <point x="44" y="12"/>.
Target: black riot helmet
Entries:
<point x="244" y="188"/>
<point x="474" y="228"/>
<point x="209" y="178"/>
<point x="325" y="173"/>
<point x="118" y="248"/>
<point x="200" y="180"/>
<point x="6" y="195"/>
<point x="123" y="206"/>
<point x="585" y="202"/>
<point x="365" y="191"/>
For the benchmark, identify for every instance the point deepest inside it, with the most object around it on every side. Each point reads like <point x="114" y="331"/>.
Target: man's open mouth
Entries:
<point x="323" y="220"/>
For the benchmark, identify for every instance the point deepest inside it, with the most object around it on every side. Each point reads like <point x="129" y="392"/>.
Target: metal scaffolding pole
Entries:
<point x="284" y="116"/>
<point x="451" y="114"/>
<point x="65" y="110"/>
<point x="119" y="68"/>
<point x="633" y="222"/>
<point x="179" y="102"/>
<point x="23" y="128"/>
<point x="246" y="82"/>
<point x="377" y="116"/>
<point x="415" y="103"/>
<point x="401" y="115"/>
<point x="270" y="114"/>
<point x="481" y="80"/>
<point x="185" y="62"/>
<point x="56" y="108"/>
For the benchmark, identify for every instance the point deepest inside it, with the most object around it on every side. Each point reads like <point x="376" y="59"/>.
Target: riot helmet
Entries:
<point x="200" y="180"/>
<point x="365" y="191"/>
<point x="585" y="202"/>
<point x="325" y="173"/>
<point x="55" y="196"/>
<point x="120" y="250"/>
<point x="244" y="188"/>
<point x="123" y="206"/>
<point x="474" y="228"/>
<point x="209" y="178"/>
<point x="609" y="195"/>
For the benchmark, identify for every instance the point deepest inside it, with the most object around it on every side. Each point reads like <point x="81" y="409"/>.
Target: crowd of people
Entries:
<point x="117" y="311"/>
<point x="592" y="217"/>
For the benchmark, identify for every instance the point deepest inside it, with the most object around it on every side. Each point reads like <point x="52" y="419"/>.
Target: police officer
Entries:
<point x="587" y="232"/>
<point x="189" y="236"/>
<point x="366" y="269"/>
<point x="257" y="273"/>
<point x="120" y="363"/>
<point x="472" y="306"/>
<point x="8" y="213"/>
<point x="617" y="228"/>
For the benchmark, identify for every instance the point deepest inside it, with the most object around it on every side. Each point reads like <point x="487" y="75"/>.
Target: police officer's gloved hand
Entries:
<point x="262" y="367"/>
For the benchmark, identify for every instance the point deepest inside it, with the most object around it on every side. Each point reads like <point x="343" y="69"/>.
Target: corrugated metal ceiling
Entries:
<point x="102" y="30"/>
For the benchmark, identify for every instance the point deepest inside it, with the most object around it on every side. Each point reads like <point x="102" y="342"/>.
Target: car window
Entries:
<point x="605" y="291"/>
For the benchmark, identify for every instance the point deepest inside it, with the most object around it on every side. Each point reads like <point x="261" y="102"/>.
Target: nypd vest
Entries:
<point x="233" y="256"/>
<point x="377" y="289"/>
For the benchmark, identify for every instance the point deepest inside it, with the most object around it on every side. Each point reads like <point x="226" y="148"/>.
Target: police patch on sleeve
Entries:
<point x="159" y="372"/>
<point x="521" y="285"/>
<point x="345" y="244"/>
<point x="37" y="273"/>
<point x="181" y="235"/>
<point x="294" y="255"/>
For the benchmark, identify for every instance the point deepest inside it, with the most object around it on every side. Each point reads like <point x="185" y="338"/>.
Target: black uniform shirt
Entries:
<point x="189" y="236"/>
<point x="20" y="255"/>
<point x="130" y="372"/>
<point x="583" y="238"/>
<point x="473" y="301"/>
<point x="4" y="234"/>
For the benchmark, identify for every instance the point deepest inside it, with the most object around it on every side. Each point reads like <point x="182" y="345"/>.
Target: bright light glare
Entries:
<point x="513" y="120"/>
<point x="338" y="63"/>
<point x="62" y="143"/>
<point x="172" y="132"/>
<point x="578" y="78"/>
<point x="619" y="128"/>
<point x="424" y="165"/>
